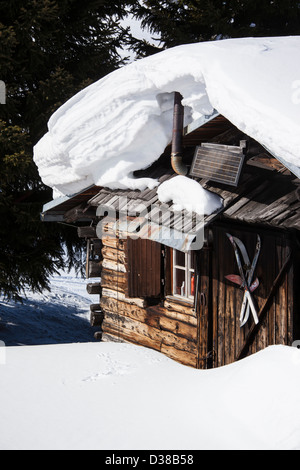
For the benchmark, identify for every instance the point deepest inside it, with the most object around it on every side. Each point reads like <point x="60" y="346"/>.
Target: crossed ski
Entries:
<point x="245" y="280"/>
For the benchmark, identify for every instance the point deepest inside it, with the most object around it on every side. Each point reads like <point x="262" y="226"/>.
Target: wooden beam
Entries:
<point x="94" y="288"/>
<point x="94" y="269"/>
<point x="95" y="308"/>
<point x="81" y="212"/>
<point x="96" y="318"/>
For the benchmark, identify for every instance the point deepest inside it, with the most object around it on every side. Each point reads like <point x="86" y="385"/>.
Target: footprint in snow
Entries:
<point x="110" y="368"/>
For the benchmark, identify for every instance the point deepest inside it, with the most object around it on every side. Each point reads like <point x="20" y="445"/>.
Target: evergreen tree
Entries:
<point x="49" y="50"/>
<point x="186" y="21"/>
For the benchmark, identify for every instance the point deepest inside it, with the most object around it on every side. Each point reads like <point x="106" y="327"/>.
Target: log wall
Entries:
<point x="212" y="337"/>
<point x="166" y="327"/>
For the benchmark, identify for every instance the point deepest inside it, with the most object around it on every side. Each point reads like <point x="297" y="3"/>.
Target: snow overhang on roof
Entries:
<point x="253" y="82"/>
<point x="182" y="235"/>
<point x="54" y="210"/>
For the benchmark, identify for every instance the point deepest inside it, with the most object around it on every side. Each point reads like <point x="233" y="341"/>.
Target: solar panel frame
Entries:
<point x="219" y="163"/>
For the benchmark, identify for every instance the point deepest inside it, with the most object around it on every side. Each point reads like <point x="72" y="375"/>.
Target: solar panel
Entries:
<point x="219" y="163"/>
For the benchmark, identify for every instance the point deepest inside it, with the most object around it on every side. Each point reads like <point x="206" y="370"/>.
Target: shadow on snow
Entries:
<point x="46" y="319"/>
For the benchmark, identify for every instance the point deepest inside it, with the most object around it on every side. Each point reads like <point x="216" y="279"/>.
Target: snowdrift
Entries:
<point x="123" y="122"/>
<point x="91" y="395"/>
<point x="115" y="396"/>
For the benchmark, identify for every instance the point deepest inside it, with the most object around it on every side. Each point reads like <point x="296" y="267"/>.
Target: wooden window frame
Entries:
<point x="189" y="274"/>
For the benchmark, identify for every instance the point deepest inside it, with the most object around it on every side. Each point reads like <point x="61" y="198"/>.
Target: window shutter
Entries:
<point x="143" y="263"/>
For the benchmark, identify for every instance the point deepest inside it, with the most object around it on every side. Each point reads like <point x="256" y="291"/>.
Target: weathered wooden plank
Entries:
<point x="183" y="357"/>
<point x="221" y="312"/>
<point x="165" y="336"/>
<point x="81" y="212"/>
<point x="113" y="242"/>
<point x="291" y="303"/>
<point x="120" y="296"/>
<point x="111" y="279"/>
<point x="106" y="337"/>
<point x="152" y="316"/>
<point x="215" y="302"/>
<point x="124" y="309"/>
<point x="265" y="307"/>
<point x="178" y="327"/>
<point x="267" y="212"/>
<point x="180" y="312"/>
<point x="235" y="210"/>
<point x="113" y="254"/>
<point x="281" y="218"/>
<point x="204" y="310"/>
<point x="282" y="319"/>
<point x="230" y="324"/>
<point x="293" y="221"/>
<point x="113" y="266"/>
<point x="179" y="305"/>
<point x="131" y="336"/>
<point x="269" y="258"/>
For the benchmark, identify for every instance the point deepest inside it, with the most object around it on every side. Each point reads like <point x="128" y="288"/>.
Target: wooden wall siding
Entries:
<point x="277" y="325"/>
<point x="212" y="337"/>
<point x="166" y="327"/>
<point x="204" y="303"/>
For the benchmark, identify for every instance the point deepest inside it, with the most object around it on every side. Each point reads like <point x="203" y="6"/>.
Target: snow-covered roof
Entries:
<point x="123" y="122"/>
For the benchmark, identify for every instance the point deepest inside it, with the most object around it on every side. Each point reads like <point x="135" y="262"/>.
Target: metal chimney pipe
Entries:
<point x="176" y="153"/>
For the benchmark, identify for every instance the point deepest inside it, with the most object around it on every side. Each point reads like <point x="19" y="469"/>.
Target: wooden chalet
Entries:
<point x="159" y="291"/>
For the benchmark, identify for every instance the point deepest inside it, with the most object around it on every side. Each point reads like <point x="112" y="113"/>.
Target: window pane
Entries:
<point x="179" y="282"/>
<point x="192" y="282"/>
<point x="179" y="258"/>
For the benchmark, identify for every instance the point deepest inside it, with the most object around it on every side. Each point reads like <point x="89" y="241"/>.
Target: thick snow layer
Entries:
<point x="124" y="121"/>
<point x="115" y="396"/>
<point x="188" y="194"/>
<point x="90" y="395"/>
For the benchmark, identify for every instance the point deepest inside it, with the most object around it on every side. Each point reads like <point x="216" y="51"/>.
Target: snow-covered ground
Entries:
<point x="59" y="316"/>
<point x="62" y="390"/>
